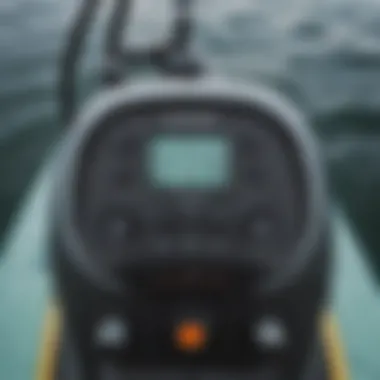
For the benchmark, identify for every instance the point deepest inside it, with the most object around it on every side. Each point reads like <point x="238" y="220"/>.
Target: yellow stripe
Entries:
<point x="332" y="343"/>
<point x="47" y="360"/>
<point x="335" y="356"/>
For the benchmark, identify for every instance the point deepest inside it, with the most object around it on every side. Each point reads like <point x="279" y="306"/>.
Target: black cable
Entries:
<point x="182" y="26"/>
<point x="170" y="58"/>
<point x="72" y="54"/>
<point x="114" y="60"/>
<point x="178" y="58"/>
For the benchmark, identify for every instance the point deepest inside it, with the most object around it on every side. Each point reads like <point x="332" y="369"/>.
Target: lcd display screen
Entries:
<point x="189" y="161"/>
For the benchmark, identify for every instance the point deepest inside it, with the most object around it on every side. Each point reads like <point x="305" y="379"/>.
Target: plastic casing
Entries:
<point x="26" y="292"/>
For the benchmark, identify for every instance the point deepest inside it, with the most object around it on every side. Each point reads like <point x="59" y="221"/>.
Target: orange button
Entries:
<point x="191" y="336"/>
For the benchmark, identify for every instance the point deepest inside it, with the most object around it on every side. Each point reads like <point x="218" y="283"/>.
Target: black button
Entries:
<point x="218" y="220"/>
<point x="170" y="224"/>
<point x="258" y="221"/>
<point x="261" y="227"/>
<point x="162" y="245"/>
<point x="191" y="244"/>
<point x="124" y="177"/>
<point x="118" y="228"/>
<point x="219" y="246"/>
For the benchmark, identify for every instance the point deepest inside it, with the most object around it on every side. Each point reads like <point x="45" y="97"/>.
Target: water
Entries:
<point x="324" y="54"/>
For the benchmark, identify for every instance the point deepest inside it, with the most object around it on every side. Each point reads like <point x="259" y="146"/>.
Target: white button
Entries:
<point x="112" y="332"/>
<point x="269" y="333"/>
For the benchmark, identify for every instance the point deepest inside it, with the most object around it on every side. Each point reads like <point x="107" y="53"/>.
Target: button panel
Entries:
<point x="255" y="214"/>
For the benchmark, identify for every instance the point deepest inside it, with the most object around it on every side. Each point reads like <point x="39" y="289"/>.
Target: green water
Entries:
<point x="325" y="55"/>
<point x="32" y="37"/>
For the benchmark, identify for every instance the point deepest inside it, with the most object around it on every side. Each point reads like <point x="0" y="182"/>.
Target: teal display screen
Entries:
<point x="189" y="161"/>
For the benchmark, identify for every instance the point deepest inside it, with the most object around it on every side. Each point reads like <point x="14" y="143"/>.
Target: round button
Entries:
<point x="261" y="228"/>
<point x="162" y="245"/>
<point x="116" y="229"/>
<point x="115" y="233"/>
<point x="219" y="246"/>
<point x="191" y="243"/>
<point x="269" y="333"/>
<point x="112" y="333"/>
<point x="191" y="336"/>
<point x="124" y="177"/>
